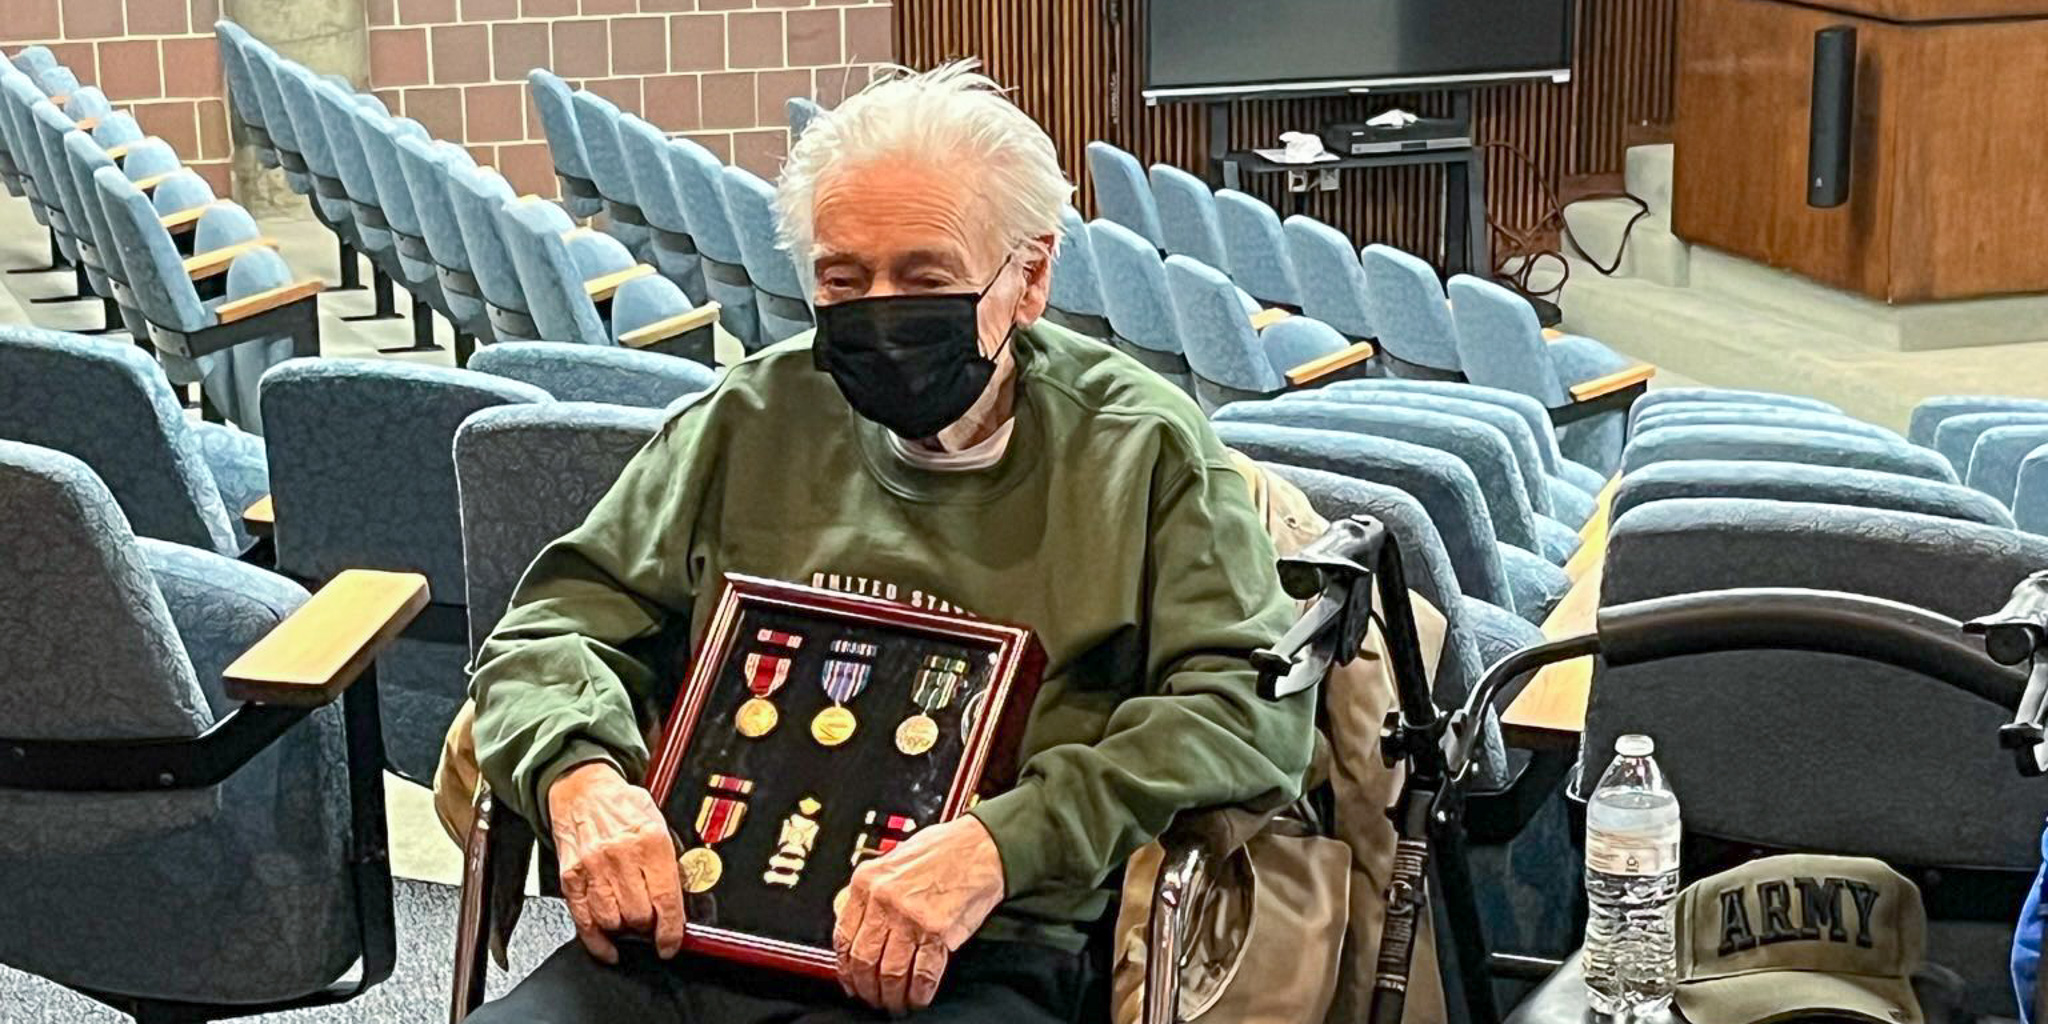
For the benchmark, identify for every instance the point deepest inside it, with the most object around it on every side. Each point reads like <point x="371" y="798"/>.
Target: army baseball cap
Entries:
<point x="1800" y="936"/>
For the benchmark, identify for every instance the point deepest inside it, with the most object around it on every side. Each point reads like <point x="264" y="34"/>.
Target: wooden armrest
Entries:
<point x="1552" y="334"/>
<point x="1593" y="536"/>
<point x="86" y="124"/>
<point x="577" y="232"/>
<point x="601" y="288"/>
<point x="1551" y="710"/>
<point x="260" y="518"/>
<point x="1344" y="358"/>
<point x="150" y="183"/>
<point x="1268" y="317"/>
<point x="527" y="197"/>
<point x="201" y="266"/>
<point x="60" y="100"/>
<point x="316" y="652"/>
<point x="184" y="220"/>
<point x="1613" y="382"/>
<point x="118" y="152"/>
<point x="662" y="330"/>
<point x="264" y="302"/>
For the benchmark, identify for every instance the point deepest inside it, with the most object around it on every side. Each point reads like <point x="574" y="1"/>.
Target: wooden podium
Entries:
<point x="1949" y="181"/>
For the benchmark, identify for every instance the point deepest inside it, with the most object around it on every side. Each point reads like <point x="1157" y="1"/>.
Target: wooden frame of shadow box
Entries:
<point x="979" y="761"/>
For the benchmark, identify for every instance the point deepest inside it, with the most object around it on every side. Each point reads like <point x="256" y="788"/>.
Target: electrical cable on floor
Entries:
<point x="1523" y="243"/>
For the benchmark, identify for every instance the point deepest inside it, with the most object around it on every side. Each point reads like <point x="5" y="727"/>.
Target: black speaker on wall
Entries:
<point x="1834" y="116"/>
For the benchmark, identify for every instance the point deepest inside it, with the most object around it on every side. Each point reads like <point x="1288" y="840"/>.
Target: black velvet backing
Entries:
<point x="866" y="773"/>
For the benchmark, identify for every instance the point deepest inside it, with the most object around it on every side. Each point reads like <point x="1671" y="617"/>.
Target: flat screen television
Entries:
<point x="1199" y="49"/>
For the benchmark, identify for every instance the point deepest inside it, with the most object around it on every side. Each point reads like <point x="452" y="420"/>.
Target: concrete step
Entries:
<point x="1647" y="176"/>
<point x="1919" y="327"/>
<point x="1653" y="253"/>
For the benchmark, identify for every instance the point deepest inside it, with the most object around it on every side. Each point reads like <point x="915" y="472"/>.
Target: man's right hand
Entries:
<point x="619" y="869"/>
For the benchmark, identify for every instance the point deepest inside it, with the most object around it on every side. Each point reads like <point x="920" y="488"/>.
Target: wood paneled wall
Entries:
<point x="1076" y="66"/>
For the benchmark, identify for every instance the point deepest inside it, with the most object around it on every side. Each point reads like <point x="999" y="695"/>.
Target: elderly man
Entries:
<point x="935" y="435"/>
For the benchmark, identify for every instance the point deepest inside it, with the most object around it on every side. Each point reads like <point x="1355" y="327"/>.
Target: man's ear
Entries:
<point x="1037" y="280"/>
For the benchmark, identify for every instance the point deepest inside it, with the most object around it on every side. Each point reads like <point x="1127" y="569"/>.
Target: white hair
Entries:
<point x="949" y="114"/>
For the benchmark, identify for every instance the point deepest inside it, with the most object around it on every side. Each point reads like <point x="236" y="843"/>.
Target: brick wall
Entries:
<point x="717" y="70"/>
<point x="154" y="57"/>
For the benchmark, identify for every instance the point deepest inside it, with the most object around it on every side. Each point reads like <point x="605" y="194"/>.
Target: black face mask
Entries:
<point x="911" y="363"/>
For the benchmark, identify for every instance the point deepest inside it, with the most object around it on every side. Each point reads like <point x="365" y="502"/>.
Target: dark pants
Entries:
<point x="1013" y="983"/>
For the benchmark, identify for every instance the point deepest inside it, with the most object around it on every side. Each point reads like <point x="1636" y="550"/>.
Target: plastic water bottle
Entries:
<point x="1632" y="833"/>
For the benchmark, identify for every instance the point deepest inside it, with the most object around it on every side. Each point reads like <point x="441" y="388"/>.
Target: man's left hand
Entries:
<point x="906" y="912"/>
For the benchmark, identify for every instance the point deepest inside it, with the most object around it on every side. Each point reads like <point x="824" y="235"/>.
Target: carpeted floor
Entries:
<point x="416" y="993"/>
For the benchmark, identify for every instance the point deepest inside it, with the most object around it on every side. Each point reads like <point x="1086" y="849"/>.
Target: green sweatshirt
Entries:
<point x="1113" y="526"/>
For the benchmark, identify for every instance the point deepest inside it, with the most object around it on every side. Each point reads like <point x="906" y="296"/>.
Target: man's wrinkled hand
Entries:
<point x="619" y="869"/>
<point x="908" y="910"/>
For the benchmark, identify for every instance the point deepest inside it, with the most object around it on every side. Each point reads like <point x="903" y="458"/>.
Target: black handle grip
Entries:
<point x="1826" y="622"/>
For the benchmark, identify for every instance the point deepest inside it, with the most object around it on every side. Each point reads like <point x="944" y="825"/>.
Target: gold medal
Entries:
<point x="756" y="718"/>
<point x="833" y="726"/>
<point x="702" y="869"/>
<point x="917" y="735"/>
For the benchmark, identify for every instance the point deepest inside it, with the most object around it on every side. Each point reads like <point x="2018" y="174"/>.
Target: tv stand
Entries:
<point x="1466" y="245"/>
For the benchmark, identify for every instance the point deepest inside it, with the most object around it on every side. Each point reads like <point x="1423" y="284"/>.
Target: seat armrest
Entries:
<point x="118" y="152"/>
<point x="578" y="232"/>
<point x="260" y="518"/>
<point x="317" y="651"/>
<point x="601" y="288"/>
<point x="1268" y="317"/>
<point x="1618" y="381"/>
<point x="1330" y="365"/>
<point x="662" y="330"/>
<point x="1552" y="334"/>
<point x="201" y="266"/>
<point x="149" y="184"/>
<point x="184" y="220"/>
<point x="86" y="124"/>
<point x="1550" y="710"/>
<point x="264" y="302"/>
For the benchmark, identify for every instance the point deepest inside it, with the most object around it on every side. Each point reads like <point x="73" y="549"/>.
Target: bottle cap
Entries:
<point x="1635" y="745"/>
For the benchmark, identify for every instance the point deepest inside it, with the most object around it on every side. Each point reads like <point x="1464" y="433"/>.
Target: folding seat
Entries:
<point x="1140" y="305"/>
<point x="1483" y="448"/>
<point x="565" y="143"/>
<point x="781" y="299"/>
<point x="476" y="195"/>
<point x="1187" y="216"/>
<point x="801" y="111"/>
<point x="86" y="105"/>
<point x="1763" y="444"/>
<point x="68" y="216"/>
<point x="671" y="240"/>
<point x="430" y="168"/>
<point x="1995" y="459"/>
<point x="111" y="407"/>
<point x="1532" y="412"/>
<point x="337" y="109"/>
<point x="362" y="473"/>
<point x="1499" y="574"/>
<point x="1549" y="495"/>
<point x="1417" y="338"/>
<point x="702" y="181"/>
<point x="565" y="298"/>
<point x="263" y="313"/>
<point x="82" y="159"/>
<point x="593" y="373"/>
<point x="1882" y="752"/>
<point x="1956" y="436"/>
<point x="266" y="75"/>
<point x="245" y="102"/>
<point x="1229" y="360"/>
<point x="56" y="82"/>
<point x="412" y="260"/>
<point x="1587" y="386"/>
<point x="1792" y="481"/>
<point x="1658" y="399"/>
<point x="34" y="62"/>
<point x="1256" y="250"/>
<point x="1930" y="413"/>
<point x="11" y="170"/>
<point x="1710" y="414"/>
<point x="319" y="178"/>
<point x="1076" y="299"/>
<point x="597" y="119"/>
<point x="185" y="840"/>
<point x="1122" y="193"/>
<point x="116" y="132"/>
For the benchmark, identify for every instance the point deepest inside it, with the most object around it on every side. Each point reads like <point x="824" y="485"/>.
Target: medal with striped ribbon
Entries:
<point x="766" y="671"/>
<point x="719" y="818"/>
<point x="938" y="682"/>
<point x="844" y="678"/>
